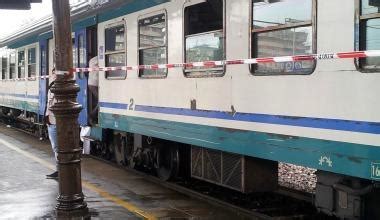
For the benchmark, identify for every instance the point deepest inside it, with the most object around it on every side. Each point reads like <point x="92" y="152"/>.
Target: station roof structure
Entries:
<point x="82" y="13"/>
<point x="17" y="4"/>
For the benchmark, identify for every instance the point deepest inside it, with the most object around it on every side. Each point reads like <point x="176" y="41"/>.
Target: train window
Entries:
<point x="153" y="45"/>
<point x="75" y="58"/>
<point x="369" y="33"/>
<point x="82" y="62"/>
<point x="282" y="28"/>
<point x="4" y="66"/>
<point x="115" y="51"/>
<point x="82" y="51"/>
<point x="21" y="64"/>
<point x="32" y="62"/>
<point x="204" y="37"/>
<point x="12" y="66"/>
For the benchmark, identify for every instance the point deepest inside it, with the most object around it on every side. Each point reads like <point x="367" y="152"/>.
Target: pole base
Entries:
<point x="71" y="203"/>
<point x="76" y="214"/>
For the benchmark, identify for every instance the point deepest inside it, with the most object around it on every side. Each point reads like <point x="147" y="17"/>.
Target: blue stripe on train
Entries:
<point x="323" y="123"/>
<point x="113" y="105"/>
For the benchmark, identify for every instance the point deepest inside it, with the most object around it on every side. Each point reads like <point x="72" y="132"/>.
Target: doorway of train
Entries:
<point x="85" y="52"/>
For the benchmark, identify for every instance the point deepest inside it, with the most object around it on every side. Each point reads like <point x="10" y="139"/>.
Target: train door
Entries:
<point x="43" y="82"/>
<point x="93" y="78"/>
<point x="81" y="78"/>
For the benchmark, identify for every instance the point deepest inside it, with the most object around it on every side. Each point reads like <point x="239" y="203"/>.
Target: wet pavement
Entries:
<point x="110" y="192"/>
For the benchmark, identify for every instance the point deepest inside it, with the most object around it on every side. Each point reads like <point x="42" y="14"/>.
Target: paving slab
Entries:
<point x="110" y="192"/>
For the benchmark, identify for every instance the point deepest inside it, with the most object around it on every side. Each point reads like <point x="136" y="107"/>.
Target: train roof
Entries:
<point x="83" y="14"/>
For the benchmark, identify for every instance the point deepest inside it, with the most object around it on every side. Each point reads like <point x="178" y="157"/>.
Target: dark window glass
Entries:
<point x="282" y="28"/>
<point x="21" y="64"/>
<point x="32" y="62"/>
<point x="43" y="60"/>
<point x="115" y="54"/>
<point x="12" y="66"/>
<point x="4" y="67"/>
<point x="152" y="44"/>
<point x="115" y="38"/>
<point x="370" y="33"/>
<point x="204" y="17"/>
<point x="204" y="37"/>
<point x="370" y="6"/>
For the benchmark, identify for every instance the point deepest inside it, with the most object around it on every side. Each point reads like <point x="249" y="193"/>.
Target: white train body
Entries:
<point x="335" y="89"/>
<point x="324" y="115"/>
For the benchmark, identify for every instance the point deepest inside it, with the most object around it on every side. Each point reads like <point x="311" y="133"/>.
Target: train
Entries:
<point x="229" y="125"/>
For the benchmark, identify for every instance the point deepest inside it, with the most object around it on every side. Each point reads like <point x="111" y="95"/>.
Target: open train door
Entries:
<point x="43" y="82"/>
<point x="80" y="56"/>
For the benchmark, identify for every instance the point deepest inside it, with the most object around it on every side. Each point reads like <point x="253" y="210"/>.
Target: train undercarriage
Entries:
<point x="27" y="121"/>
<point x="336" y="195"/>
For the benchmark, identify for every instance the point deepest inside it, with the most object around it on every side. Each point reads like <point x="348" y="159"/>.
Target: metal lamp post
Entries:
<point x="66" y="111"/>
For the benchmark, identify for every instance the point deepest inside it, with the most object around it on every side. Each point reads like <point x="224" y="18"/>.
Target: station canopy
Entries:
<point x="17" y="4"/>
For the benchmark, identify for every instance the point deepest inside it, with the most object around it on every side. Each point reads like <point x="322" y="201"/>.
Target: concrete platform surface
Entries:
<point x="110" y="192"/>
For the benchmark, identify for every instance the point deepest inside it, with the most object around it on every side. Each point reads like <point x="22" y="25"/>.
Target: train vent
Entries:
<point x="232" y="170"/>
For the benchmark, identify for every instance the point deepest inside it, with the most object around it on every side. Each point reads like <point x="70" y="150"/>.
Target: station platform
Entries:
<point x="110" y="192"/>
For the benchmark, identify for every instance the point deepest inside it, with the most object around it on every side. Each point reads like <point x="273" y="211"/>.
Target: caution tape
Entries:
<point x="26" y="78"/>
<point x="281" y="59"/>
<point x="321" y="56"/>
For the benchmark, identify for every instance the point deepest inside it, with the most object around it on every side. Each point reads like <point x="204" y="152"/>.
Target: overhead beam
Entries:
<point x="17" y="4"/>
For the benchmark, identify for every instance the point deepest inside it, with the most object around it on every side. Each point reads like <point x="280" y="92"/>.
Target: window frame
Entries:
<point x="20" y="66"/>
<point x="360" y="33"/>
<point x="78" y="53"/>
<point x="30" y="64"/>
<point x="4" y="68"/>
<point x="166" y="46"/>
<point x="312" y="23"/>
<point x="224" y="32"/>
<point x="9" y="66"/>
<point x="109" y="26"/>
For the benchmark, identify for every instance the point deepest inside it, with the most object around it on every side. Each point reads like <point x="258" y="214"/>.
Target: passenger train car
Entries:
<point x="228" y="125"/>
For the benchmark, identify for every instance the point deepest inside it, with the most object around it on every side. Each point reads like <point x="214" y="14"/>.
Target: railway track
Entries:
<point x="22" y="126"/>
<point x="283" y="204"/>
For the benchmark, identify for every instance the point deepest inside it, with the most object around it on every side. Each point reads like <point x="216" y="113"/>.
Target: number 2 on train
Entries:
<point x="131" y="106"/>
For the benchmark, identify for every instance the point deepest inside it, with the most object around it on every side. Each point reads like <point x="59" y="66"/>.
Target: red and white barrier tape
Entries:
<point x="321" y="56"/>
<point x="25" y="79"/>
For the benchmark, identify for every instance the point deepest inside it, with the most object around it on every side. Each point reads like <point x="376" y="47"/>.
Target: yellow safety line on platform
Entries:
<point x="117" y="200"/>
<point x="130" y="207"/>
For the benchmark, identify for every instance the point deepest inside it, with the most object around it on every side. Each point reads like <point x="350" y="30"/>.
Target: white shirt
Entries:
<point x="50" y="102"/>
<point x="93" y="77"/>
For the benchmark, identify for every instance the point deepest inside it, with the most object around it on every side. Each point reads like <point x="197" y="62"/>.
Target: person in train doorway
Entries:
<point x="51" y="124"/>
<point x="93" y="106"/>
<point x="93" y="95"/>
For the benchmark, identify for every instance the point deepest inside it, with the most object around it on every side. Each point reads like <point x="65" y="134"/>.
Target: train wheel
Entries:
<point x="118" y="148"/>
<point x="104" y="151"/>
<point x="5" y="110"/>
<point x="129" y="151"/>
<point x="167" y="162"/>
<point x="15" y="113"/>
